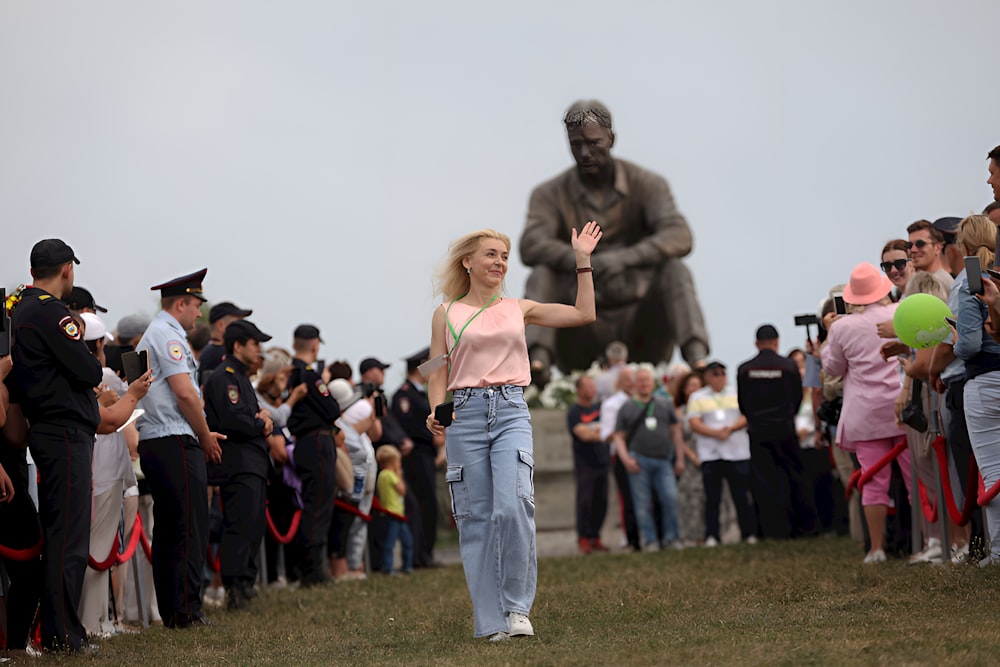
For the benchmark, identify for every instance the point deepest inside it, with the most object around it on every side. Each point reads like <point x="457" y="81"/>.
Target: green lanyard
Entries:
<point x="458" y="335"/>
<point x="649" y="407"/>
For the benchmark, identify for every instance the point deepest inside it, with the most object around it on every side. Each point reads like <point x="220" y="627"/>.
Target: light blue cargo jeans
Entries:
<point x="490" y="477"/>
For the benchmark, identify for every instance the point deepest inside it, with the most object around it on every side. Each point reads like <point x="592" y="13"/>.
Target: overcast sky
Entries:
<point x="318" y="157"/>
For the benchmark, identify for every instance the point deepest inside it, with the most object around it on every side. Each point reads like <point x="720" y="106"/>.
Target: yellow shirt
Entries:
<point x="387" y="493"/>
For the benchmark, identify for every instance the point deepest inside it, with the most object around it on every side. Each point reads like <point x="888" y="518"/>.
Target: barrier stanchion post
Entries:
<point x="916" y="509"/>
<point x="942" y="511"/>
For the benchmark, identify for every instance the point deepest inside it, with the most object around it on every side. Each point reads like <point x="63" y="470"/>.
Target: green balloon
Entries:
<point x="919" y="320"/>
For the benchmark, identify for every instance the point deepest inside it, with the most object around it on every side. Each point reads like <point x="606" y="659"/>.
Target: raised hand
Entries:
<point x="585" y="242"/>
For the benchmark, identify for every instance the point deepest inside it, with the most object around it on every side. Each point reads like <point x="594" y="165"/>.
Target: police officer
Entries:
<point x="220" y="316"/>
<point x="410" y="408"/>
<point x="174" y="442"/>
<point x="231" y="409"/>
<point x="769" y="389"/>
<point x="53" y="378"/>
<point x="311" y="423"/>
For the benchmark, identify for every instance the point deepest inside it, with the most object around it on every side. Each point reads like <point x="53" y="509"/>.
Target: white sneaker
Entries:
<point x="711" y="542"/>
<point x="519" y="625"/>
<point x="499" y="637"/>
<point x="875" y="557"/>
<point x="651" y="547"/>
<point x="959" y="555"/>
<point x="932" y="554"/>
<point x="990" y="561"/>
<point x="751" y="540"/>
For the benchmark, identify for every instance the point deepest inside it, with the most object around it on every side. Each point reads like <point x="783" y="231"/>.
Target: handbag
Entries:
<point x="912" y="413"/>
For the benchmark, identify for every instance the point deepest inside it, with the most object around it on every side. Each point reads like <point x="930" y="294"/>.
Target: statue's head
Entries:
<point x="588" y="128"/>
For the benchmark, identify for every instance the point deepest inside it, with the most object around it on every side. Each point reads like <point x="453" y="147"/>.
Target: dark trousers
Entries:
<point x="960" y="447"/>
<point x="174" y="466"/>
<point x="396" y="529"/>
<point x="421" y="478"/>
<point x="316" y="466"/>
<point x="591" y="498"/>
<point x="63" y="456"/>
<point x="21" y="530"/>
<point x="737" y="475"/>
<point x="785" y="508"/>
<point x="628" y="511"/>
<point x="243" y="526"/>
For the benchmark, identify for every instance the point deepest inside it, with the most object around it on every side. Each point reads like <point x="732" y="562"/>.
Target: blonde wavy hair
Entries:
<point x="451" y="279"/>
<point x="978" y="236"/>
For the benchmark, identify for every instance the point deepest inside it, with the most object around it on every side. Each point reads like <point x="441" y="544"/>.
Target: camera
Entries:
<point x="369" y="389"/>
<point x="806" y="320"/>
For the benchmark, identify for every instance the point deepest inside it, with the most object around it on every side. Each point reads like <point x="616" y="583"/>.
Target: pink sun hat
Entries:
<point x="867" y="285"/>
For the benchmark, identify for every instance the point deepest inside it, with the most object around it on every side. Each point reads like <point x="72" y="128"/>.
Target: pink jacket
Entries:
<point x="870" y="384"/>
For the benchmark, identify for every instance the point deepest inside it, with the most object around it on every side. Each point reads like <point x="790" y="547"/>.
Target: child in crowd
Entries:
<point x="391" y="490"/>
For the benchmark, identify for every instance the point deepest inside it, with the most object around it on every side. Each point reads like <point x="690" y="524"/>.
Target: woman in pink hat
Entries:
<point x="868" y="421"/>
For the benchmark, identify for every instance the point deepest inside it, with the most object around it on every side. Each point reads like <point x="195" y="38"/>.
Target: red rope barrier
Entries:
<point x="293" y="527"/>
<point x="133" y="541"/>
<point x="351" y="509"/>
<point x="985" y="497"/>
<point x="930" y="511"/>
<point x="215" y="564"/>
<point x="959" y="518"/>
<point x="378" y="507"/>
<point x="105" y="564"/>
<point x="21" y="554"/>
<point x="860" y="477"/>
<point x="146" y="548"/>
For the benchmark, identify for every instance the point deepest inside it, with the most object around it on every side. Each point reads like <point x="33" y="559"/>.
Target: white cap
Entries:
<point x="95" y="328"/>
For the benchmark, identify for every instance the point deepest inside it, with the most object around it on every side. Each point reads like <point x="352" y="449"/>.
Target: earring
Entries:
<point x="468" y="270"/>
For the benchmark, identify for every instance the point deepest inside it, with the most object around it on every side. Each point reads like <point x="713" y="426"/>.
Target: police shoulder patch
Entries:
<point x="175" y="350"/>
<point x="69" y="328"/>
<point x="404" y="405"/>
<point x="234" y="393"/>
<point x="322" y="388"/>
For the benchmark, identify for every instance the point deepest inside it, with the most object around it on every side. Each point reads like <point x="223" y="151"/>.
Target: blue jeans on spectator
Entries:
<point x="397" y="529"/>
<point x="490" y="477"/>
<point x="655" y="476"/>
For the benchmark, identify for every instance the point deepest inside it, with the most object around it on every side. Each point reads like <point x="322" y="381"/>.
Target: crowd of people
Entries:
<point x="795" y="431"/>
<point x="193" y="439"/>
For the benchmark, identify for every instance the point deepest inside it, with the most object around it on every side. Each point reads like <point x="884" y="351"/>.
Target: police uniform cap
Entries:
<point x="51" y="252"/>
<point x="416" y="359"/>
<point x="81" y="298"/>
<point x="307" y="332"/>
<point x="183" y="286"/>
<point x="370" y="363"/>
<point x="220" y="310"/>
<point x="766" y="332"/>
<point x="244" y="329"/>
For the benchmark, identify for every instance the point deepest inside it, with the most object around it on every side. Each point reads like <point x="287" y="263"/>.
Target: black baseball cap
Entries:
<point x="81" y="298"/>
<point x="244" y="329"/>
<point x="51" y="252"/>
<point x="712" y="365"/>
<point x="417" y="358"/>
<point x="370" y="363"/>
<point x="189" y="284"/>
<point x="307" y="332"/>
<point x="766" y="332"/>
<point x="220" y="310"/>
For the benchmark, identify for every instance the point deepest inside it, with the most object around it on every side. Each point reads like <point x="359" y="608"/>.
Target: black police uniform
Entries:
<point x="410" y="408"/>
<point x="21" y="533"/>
<point x="769" y="389"/>
<point x="209" y="360"/>
<point x="311" y="423"/>
<point x="53" y="379"/>
<point x="231" y="408"/>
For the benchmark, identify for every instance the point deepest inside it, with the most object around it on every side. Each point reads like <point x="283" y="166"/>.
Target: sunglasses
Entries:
<point x="898" y="264"/>
<point x="920" y="244"/>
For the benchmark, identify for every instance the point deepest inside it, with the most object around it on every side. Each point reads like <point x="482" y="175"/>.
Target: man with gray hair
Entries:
<point x="645" y="294"/>
<point x="616" y="354"/>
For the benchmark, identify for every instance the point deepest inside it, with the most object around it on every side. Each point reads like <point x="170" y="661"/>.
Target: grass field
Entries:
<point x="788" y="603"/>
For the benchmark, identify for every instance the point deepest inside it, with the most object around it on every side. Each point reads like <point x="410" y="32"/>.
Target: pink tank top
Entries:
<point x="492" y="350"/>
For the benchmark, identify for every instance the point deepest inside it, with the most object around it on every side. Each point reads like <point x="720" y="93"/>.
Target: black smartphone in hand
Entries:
<point x="135" y="364"/>
<point x="443" y="413"/>
<point x="974" y="274"/>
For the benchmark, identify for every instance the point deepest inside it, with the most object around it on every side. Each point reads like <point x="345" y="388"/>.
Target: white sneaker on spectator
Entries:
<point x="959" y="555"/>
<point x="932" y="554"/>
<point x="651" y="547"/>
<point x="711" y="542"/>
<point x="519" y="625"/>
<point x="990" y="561"/>
<point x="875" y="557"/>
<point x="751" y="540"/>
<point x="499" y="637"/>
